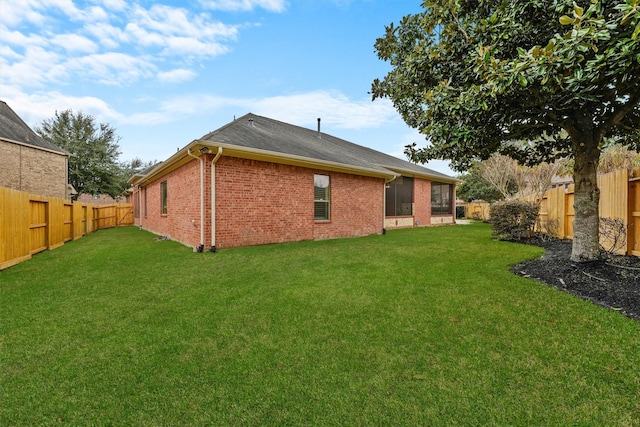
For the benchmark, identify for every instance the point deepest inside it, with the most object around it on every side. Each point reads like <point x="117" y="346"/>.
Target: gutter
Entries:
<point x="59" y="150"/>
<point x="423" y="175"/>
<point x="178" y="159"/>
<point x="296" y="160"/>
<point x="140" y="205"/>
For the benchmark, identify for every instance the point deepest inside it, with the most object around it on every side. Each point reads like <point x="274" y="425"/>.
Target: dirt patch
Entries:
<point x="613" y="282"/>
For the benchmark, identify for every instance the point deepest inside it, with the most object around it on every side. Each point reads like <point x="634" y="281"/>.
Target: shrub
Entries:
<point x="548" y="229"/>
<point x="514" y="220"/>
<point x="613" y="235"/>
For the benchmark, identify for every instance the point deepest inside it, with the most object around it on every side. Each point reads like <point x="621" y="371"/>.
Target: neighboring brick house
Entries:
<point x="28" y="162"/>
<point x="258" y="181"/>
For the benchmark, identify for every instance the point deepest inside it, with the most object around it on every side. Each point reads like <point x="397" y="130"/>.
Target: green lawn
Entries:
<point x="416" y="327"/>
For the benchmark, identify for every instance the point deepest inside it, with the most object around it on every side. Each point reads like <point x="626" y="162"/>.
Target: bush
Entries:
<point x="514" y="220"/>
<point x="613" y="235"/>
<point x="548" y="229"/>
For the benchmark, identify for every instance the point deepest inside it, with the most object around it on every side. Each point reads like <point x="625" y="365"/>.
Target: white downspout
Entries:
<point x="213" y="199"/>
<point x="140" y="205"/>
<point x="200" y="248"/>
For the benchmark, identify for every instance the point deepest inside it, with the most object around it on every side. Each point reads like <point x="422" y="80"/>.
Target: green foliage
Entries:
<point x="475" y="77"/>
<point x="513" y="219"/>
<point x="423" y="327"/>
<point x="93" y="165"/>
<point x="474" y="187"/>
<point x="129" y="168"/>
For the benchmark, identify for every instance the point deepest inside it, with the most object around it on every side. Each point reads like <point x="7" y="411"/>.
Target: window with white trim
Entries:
<point x="321" y="197"/>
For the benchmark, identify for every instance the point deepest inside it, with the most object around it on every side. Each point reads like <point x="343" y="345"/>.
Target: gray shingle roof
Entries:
<point x="253" y="131"/>
<point x="13" y="128"/>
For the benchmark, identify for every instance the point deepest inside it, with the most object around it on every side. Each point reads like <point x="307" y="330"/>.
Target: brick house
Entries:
<point x="28" y="162"/>
<point x="257" y="181"/>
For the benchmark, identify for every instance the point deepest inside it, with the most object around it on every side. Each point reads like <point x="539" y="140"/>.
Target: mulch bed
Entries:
<point x="613" y="282"/>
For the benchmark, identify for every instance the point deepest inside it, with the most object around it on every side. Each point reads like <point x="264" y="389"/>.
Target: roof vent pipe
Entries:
<point x="319" y="134"/>
<point x="251" y="122"/>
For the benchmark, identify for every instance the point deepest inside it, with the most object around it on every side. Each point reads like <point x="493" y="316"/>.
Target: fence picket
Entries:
<point x="30" y="224"/>
<point x="614" y="203"/>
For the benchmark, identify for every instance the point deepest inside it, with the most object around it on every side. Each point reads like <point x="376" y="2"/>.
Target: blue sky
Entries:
<point x="164" y="73"/>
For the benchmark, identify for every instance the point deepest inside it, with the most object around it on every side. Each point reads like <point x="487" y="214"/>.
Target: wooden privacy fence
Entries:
<point x="478" y="209"/>
<point x="30" y="224"/>
<point x="619" y="199"/>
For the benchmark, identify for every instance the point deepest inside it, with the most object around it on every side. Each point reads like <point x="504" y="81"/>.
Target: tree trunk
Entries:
<point x="586" y="233"/>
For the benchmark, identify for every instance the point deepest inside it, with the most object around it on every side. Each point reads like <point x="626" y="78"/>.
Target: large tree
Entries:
<point x="129" y="168"/>
<point x="93" y="165"/>
<point x="478" y="77"/>
<point x="475" y="187"/>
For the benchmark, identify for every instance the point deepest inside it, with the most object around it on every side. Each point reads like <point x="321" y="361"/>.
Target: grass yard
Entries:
<point x="417" y="327"/>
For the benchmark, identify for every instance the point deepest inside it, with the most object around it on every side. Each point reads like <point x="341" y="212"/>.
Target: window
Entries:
<point x="321" y="197"/>
<point x="399" y="197"/>
<point x="145" y="202"/>
<point x="441" y="195"/>
<point x="163" y="197"/>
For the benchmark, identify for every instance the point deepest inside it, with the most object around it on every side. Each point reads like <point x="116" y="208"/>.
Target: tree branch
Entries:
<point x="617" y="116"/>
<point x="464" y="32"/>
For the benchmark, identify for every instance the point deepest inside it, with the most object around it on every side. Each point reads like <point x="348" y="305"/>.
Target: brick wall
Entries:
<point x="33" y="170"/>
<point x="422" y="202"/>
<point x="260" y="203"/>
<point x="357" y="207"/>
<point x="182" y="221"/>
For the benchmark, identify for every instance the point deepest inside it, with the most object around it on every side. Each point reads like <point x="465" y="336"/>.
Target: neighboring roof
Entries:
<point x="14" y="129"/>
<point x="143" y="172"/>
<point x="256" y="137"/>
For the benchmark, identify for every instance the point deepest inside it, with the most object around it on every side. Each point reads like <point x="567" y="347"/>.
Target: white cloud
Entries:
<point x="17" y="39"/>
<point x="112" y="68"/>
<point x="192" y="47"/>
<point x="14" y="12"/>
<point x="114" y="5"/>
<point x="109" y="37"/>
<point x="176" y="76"/>
<point x="178" y="108"/>
<point x="95" y="14"/>
<point x="246" y="5"/>
<point x="36" y="67"/>
<point x="73" y="43"/>
<point x="34" y="108"/>
<point x="143" y="37"/>
<point x="334" y="108"/>
<point x="179" y="33"/>
<point x="46" y="41"/>
<point x="8" y="53"/>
